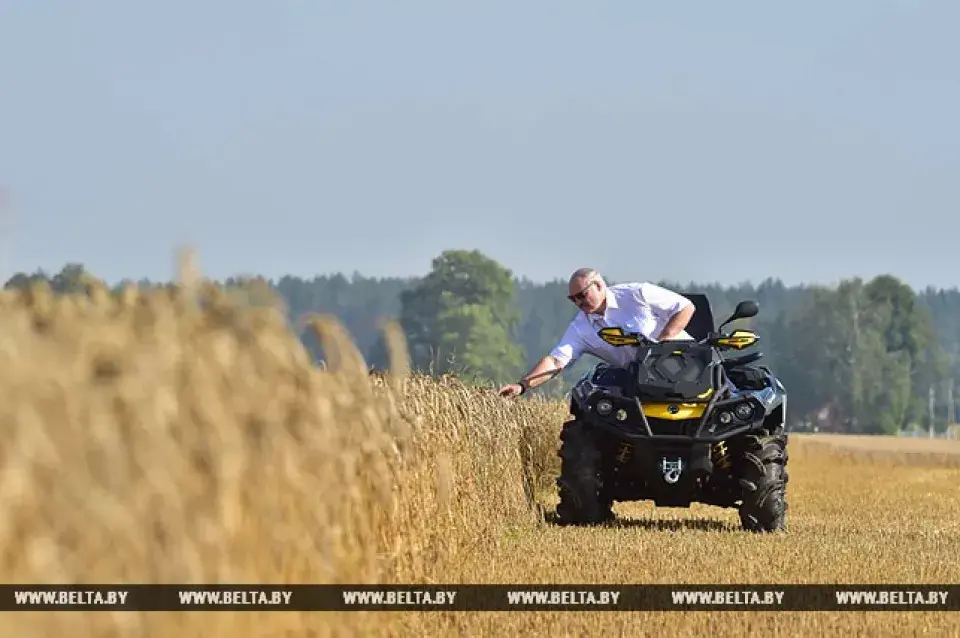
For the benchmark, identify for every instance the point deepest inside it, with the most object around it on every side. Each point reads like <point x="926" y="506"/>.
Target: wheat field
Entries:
<point x="184" y="436"/>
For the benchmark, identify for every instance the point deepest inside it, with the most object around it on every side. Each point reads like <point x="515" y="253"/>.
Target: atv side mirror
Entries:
<point x="744" y="310"/>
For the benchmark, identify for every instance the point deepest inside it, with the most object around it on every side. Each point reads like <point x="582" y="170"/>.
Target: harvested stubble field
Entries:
<point x="157" y="439"/>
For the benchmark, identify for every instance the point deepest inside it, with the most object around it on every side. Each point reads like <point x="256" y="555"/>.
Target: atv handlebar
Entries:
<point x="712" y="339"/>
<point x="737" y="340"/>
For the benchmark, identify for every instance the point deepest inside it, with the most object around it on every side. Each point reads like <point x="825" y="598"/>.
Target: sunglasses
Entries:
<point x="580" y="296"/>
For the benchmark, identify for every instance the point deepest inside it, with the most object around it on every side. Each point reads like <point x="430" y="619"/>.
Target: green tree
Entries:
<point x="814" y="347"/>
<point x="476" y="345"/>
<point x="857" y="348"/>
<point x="909" y="326"/>
<point x="911" y="331"/>
<point x="23" y="281"/>
<point x="463" y="317"/>
<point x="72" y="278"/>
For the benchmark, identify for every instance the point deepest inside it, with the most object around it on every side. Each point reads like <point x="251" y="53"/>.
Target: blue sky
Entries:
<point x="707" y="141"/>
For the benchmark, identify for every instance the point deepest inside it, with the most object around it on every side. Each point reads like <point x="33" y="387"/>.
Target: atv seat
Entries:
<point x="701" y="324"/>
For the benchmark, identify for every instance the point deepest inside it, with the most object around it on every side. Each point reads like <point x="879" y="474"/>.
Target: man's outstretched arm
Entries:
<point x="568" y="350"/>
<point x="547" y="368"/>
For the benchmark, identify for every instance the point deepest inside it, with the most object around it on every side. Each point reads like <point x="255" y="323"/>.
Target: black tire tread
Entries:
<point x="579" y="485"/>
<point x="763" y="479"/>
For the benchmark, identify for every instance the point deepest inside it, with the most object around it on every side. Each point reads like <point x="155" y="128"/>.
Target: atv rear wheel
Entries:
<point x="579" y="484"/>
<point x="764" y="481"/>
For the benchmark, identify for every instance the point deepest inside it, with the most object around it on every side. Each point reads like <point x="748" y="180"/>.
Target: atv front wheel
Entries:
<point x="579" y="483"/>
<point x="764" y="482"/>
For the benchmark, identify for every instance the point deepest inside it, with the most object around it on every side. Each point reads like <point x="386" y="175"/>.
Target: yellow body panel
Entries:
<point x="740" y="339"/>
<point x="683" y="410"/>
<point x="614" y="336"/>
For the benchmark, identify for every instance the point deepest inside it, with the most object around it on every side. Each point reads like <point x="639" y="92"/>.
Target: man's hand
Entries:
<point x="546" y="369"/>
<point x="511" y="390"/>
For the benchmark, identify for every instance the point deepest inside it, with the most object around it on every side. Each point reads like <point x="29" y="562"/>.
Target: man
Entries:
<point x="657" y="313"/>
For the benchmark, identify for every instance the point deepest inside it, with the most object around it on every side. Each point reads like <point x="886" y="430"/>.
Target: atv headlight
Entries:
<point x="744" y="411"/>
<point x="766" y="396"/>
<point x="725" y="418"/>
<point x="604" y="407"/>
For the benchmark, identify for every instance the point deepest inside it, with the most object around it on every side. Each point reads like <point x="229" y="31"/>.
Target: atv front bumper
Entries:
<point x="626" y="418"/>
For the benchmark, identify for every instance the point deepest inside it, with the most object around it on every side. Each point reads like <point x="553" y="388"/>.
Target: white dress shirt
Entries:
<point x="638" y="307"/>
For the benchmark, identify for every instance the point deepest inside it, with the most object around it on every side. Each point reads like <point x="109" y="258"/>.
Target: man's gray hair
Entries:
<point x="584" y="273"/>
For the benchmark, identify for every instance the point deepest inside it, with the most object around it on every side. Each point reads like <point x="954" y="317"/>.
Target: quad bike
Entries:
<point x="681" y="424"/>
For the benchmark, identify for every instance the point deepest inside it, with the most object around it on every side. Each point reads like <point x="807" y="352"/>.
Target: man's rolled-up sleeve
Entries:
<point x="570" y="347"/>
<point x="663" y="302"/>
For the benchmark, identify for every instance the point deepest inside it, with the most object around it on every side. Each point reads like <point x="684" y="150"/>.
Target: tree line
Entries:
<point x="862" y="357"/>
